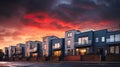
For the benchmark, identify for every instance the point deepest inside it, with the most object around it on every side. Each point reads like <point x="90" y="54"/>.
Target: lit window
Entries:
<point x="57" y="45"/>
<point x="112" y="49"/>
<point x="111" y="38"/>
<point x="87" y="50"/>
<point x="57" y="53"/>
<point x="77" y="52"/>
<point x="83" y="51"/>
<point x="96" y="39"/>
<point x="68" y="43"/>
<point x="45" y="46"/>
<point x="85" y="40"/>
<point x="69" y="34"/>
<point x="79" y="41"/>
<point x="103" y="39"/>
<point x="34" y="55"/>
<point x="117" y="37"/>
<point x="117" y="49"/>
<point x="70" y="52"/>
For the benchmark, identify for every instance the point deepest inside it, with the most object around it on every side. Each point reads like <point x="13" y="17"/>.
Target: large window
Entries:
<point x="57" y="45"/>
<point x="68" y="43"/>
<point x="82" y="40"/>
<point x="79" y="40"/>
<point x="117" y="37"/>
<point x="103" y="39"/>
<point x="112" y="49"/>
<point x="34" y="55"/>
<point x="70" y="52"/>
<point x="87" y="50"/>
<point x="57" y="53"/>
<point x="96" y="39"/>
<point x="85" y="40"/>
<point x="82" y="51"/>
<point x="69" y="34"/>
<point x="111" y="38"/>
<point x="117" y="49"/>
<point x="77" y="52"/>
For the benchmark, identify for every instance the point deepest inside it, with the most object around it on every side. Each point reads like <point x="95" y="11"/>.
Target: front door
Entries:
<point x="101" y="51"/>
<point x="57" y="53"/>
<point x="70" y="52"/>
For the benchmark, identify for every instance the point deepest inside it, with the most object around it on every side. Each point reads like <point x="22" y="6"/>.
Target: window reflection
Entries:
<point x="82" y="40"/>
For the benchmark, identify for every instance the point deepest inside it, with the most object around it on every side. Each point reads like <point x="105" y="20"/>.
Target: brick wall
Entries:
<point x="33" y="59"/>
<point x="10" y="59"/>
<point x="113" y="58"/>
<point x="24" y="59"/>
<point x="41" y="59"/>
<point x="72" y="58"/>
<point x="91" y="58"/>
<point x="54" y="58"/>
<point x="16" y="59"/>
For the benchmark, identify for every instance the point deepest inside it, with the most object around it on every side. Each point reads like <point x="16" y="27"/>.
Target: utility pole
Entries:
<point x="119" y="26"/>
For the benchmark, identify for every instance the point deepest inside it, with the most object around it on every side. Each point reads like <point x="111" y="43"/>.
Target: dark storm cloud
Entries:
<point x="112" y="11"/>
<point x="88" y="10"/>
<point x="77" y="11"/>
<point x="109" y="9"/>
<point x="67" y="12"/>
<point x="39" y="5"/>
<point x="12" y="12"/>
<point x="9" y="7"/>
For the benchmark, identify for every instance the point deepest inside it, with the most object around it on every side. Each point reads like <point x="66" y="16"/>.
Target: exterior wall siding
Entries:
<point x="72" y="41"/>
<point x="98" y="43"/>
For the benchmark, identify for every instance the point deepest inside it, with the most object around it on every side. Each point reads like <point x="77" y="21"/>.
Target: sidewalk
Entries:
<point x="90" y="62"/>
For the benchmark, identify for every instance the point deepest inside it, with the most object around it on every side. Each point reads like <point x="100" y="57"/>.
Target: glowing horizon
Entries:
<point x="25" y="20"/>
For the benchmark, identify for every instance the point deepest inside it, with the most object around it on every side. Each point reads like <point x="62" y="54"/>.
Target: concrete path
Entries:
<point x="60" y="64"/>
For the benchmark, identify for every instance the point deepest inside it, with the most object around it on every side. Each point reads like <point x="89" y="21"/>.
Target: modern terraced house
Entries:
<point x="74" y="46"/>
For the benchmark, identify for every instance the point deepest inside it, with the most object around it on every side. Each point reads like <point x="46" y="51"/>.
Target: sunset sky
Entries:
<point x="23" y="20"/>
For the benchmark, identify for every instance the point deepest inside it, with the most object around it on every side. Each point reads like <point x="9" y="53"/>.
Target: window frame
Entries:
<point x="68" y="43"/>
<point x="96" y="39"/>
<point x="112" y="38"/>
<point x="103" y="39"/>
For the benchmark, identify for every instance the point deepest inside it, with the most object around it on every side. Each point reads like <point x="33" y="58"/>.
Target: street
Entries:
<point x="60" y="64"/>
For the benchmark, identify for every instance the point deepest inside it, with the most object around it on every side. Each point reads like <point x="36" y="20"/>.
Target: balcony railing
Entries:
<point x="33" y="50"/>
<point x="84" y="43"/>
<point x="111" y="41"/>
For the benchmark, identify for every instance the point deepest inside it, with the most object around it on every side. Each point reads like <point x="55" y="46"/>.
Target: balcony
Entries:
<point x="88" y="43"/>
<point x="112" y="41"/>
<point x="19" y="52"/>
<point x="33" y="50"/>
<point x="55" y="48"/>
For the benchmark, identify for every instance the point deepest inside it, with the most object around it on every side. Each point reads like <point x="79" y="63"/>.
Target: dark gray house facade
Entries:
<point x="97" y="42"/>
<point x="58" y="47"/>
<point x="6" y="52"/>
<point x="113" y="42"/>
<point x="20" y="50"/>
<point x="84" y="43"/>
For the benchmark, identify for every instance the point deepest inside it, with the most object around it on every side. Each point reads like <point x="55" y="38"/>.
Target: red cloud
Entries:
<point x="45" y="21"/>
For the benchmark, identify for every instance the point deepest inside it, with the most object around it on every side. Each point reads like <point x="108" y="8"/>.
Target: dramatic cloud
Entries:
<point x="22" y="20"/>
